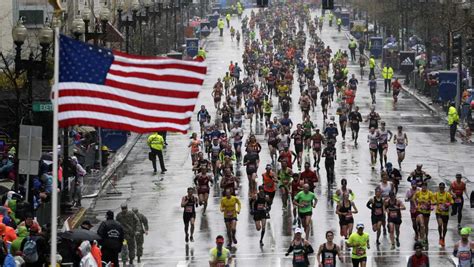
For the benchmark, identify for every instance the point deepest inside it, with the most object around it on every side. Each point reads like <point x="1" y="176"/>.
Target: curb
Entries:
<point x="406" y="90"/>
<point x="118" y="160"/>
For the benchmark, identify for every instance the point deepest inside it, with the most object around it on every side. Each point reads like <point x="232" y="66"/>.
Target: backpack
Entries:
<point x="9" y="260"/>
<point x="30" y="251"/>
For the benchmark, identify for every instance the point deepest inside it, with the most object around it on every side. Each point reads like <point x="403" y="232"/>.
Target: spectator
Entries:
<point x="29" y="222"/>
<point x="40" y="243"/>
<point x="78" y="181"/>
<point x="16" y="245"/>
<point x="8" y="234"/>
<point x="96" y="253"/>
<point x="419" y="259"/>
<point x="6" y="166"/>
<point x="86" y="225"/>
<point x="112" y="238"/>
<point x="87" y="259"/>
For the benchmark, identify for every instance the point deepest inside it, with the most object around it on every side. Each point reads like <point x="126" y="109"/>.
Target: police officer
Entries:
<point x="387" y="74"/>
<point x="227" y="18"/>
<point x="112" y="235"/>
<point x="156" y="142"/>
<point x="142" y="229"/>
<point x="352" y="48"/>
<point x="453" y="120"/>
<point x="130" y="224"/>
<point x="220" y="25"/>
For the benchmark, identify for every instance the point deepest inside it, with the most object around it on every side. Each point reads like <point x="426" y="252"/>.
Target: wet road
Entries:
<point x="158" y="196"/>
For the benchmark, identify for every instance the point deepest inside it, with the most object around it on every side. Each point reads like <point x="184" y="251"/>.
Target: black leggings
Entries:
<point x="457" y="209"/>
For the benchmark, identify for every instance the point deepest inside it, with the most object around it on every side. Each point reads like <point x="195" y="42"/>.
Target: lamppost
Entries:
<point x="127" y="23"/>
<point x="155" y="14"/>
<point x="78" y="28"/>
<point x="30" y="65"/>
<point x="100" y="25"/>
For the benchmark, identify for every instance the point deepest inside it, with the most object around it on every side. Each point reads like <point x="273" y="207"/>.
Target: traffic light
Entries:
<point x="457" y="45"/>
<point x="328" y="4"/>
<point x="470" y="48"/>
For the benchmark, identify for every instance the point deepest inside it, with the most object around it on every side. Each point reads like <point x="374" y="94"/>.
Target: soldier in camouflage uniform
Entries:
<point x="130" y="224"/>
<point x="141" y="230"/>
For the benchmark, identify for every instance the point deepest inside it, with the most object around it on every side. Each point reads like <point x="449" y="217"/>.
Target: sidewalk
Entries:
<point x="95" y="182"/>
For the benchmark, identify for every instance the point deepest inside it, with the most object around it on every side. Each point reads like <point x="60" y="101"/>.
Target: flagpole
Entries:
<point x="54" y="195"/>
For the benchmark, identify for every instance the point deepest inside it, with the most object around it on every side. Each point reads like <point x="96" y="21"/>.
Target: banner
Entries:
<point x="447" y="85"/>
<point x="407" y="61"/>
<point x="113" y="139"/>
<point x="192" y="46"/>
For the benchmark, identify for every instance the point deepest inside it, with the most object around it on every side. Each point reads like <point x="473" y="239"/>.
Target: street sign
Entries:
<point x="28" y="167"/>
<point x="42" y="107"/>
<point x="30" y="142"/>
<point x="407" y="61"/>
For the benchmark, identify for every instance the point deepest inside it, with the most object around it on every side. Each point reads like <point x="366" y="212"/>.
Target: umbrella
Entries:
<point x="80" y="235"/>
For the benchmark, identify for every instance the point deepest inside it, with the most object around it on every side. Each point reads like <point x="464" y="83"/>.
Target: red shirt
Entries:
<point x="309" y="177"/>
<point x="421" y="261"/>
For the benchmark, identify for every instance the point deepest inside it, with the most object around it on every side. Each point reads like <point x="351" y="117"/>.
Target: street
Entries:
<point x="159" y="196"/>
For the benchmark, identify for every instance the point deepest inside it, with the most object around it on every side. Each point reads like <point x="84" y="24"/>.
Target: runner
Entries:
<point x="385" y="185"/>
<point x="317" y="140"/>
<point x="251" y="161"/>
<point x="196" y="146"/>
<point x="419" y="175"/>
<point x="308" y="127"/>
<point x="393" y="207"/>
<point x="457" y="188"/>
<point x="413" y="208"/>
<point x="376" y="205"/>
<point x="384" y="136"/>
<point x="424" y="199"/>
<point x="287" y="156"/>
<point x="201" y="181"/>
<point x="260" y="207"/>
<point x="189" y="203"/>
<point x="300" y="248"/>
<point x="463" y="249"/>
<point x="305" y="201"/>
<point x="373" y="88"/>
<point x="329" y="153"/>
<point x="269" y="184"/>
<point x="217" y="93"/>
<point x="267" y="109"/>
<point x="328" y="251"/>
<point x="401" y="142"/>
<point x="373" y="118"/>
<point x="359" y="241"/>
<point x="237" y="135"/>
<point x="419" y="259"/>
<point x="230" y="206"/>
<point x="229" y="182"/>
<point x="355" y="118"/>
<point x="373" y="139"/>
<point x="272" y="140"/>
<point x="219" y="256"/>
<point x="337" y="197"/>
<point x="309" y="176"/>
<point x="345" y="210"/>
<point x="297" y="185"/>
<point x="284" y="183"/>
<point x="298" y="137"/>
<point x="443" y="200"/>
<point x="394" y="176"/>
<point x="202" y="117"/>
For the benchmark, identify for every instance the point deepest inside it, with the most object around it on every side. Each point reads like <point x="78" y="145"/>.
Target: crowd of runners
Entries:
<point x="285" y="57"/>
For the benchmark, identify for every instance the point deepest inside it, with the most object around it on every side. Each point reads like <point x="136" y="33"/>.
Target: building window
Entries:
<point x="32" y="18"/>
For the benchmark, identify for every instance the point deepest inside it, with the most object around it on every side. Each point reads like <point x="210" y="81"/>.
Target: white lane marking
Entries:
<point x="182" y="264"/>
<point x="278" y="262"/>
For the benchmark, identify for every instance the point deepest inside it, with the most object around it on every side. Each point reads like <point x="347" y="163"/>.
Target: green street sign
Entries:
<point x="42" y="107"/>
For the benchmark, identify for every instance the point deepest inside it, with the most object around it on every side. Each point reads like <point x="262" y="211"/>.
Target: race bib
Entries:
<point x="458" y="200"/>
<point x="329" y="262"/>
<point x="188" y="209"/>
<point x="299" y="258"/>
<point x="220" y="264"/>
<point x="261" y="207"/>
<point x="425" y="206"/>
<point x="360" y="251"/>
<point x="393" y="214"/>
<point x="444" y="207"/>
<point x="378" y="211"/>
<point x="373" y="146"/>
<point x="464" y="255"/>
<point x="348" y="216"/>
<point x="229" y="213"/>
<point x="204" y="187"/>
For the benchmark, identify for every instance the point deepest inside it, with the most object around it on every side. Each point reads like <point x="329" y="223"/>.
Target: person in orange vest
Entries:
<point x="8" y="234"/>
<point x="96" y="253"/>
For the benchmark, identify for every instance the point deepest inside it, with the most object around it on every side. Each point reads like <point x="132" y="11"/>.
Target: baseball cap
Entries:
<point x="466" y="231"/>
<point x="360" y="225"/>
<point x="269" y="166"/>
<point x="298" y="230"/>
<point x="458" y="175"/>
<point x="124" y="206"/>
<point x="418" y="245"/>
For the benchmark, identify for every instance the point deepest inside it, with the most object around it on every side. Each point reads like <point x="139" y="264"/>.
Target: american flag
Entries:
<point x="114" y="90"/>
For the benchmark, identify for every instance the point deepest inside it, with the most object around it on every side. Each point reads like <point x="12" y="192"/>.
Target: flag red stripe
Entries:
<point x="129" y="101"/>
<point x="163" y="78"/>
<point x="197" y="69"/>
<point x="119" y="112"/>
<point x="114" y="125"/>
<point x="151" y="91"/>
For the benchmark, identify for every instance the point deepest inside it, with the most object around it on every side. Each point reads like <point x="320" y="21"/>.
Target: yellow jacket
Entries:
<point x="387" y="73"/>
<point x="155" y="141"/>
<point x="221" y="24"/>
<point x="452" y="115"/>
<point x="372" y="63"/>
<point x="227" y="17"/>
